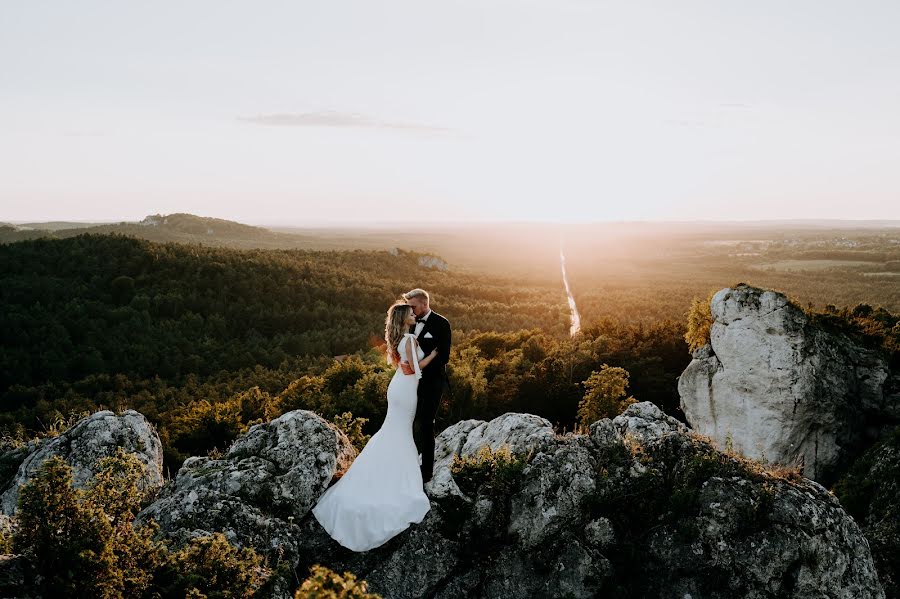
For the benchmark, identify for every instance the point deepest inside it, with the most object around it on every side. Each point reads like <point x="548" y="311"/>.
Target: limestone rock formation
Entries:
<point x="777" y="388"/>
<point x="262" y="487"/>
<point x="639" y="507"/>
<point x="522" y="433"/>
<point x="89" y="440"/>
<point x="12" y="455"/>
<point x="433" y="262"/>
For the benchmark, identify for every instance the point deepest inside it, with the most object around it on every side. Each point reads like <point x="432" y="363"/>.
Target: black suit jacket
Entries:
<point x="439" y="327"/>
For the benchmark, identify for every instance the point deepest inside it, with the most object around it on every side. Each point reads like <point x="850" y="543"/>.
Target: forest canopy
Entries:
<point x="205" y="341"/>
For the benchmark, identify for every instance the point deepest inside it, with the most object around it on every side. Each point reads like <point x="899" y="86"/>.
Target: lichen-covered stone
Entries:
<point x="776" y="387"/>
<point x="258" y="492"/>
<point x="554" y="489"/>
<point x="639" y="507"/>
<point x="522" y="433"/>
<point x="90" y="439"/>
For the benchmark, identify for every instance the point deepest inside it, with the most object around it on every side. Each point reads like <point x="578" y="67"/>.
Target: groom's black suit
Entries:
<point x="434" y="335"/>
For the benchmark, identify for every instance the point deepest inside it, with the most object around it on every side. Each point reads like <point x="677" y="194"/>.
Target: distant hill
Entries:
<point x="190" y="224"/>
<point x="847" y="261"/>
<point x="217" y="232"/>
<point x="57" y="225"/>
<point x="180" y="227"/>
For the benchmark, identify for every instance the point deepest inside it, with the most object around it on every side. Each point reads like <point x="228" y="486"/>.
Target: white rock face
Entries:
<point x="266" y="482"/>
<point x="521" y="432"/>
<point x="433" y="262"/>
<point x="779" y="389"/>
<point x="563" y="527"/>
<point x="642" y="421"/>
<point x="89" y="440"/>
<point x="588" y="513"/>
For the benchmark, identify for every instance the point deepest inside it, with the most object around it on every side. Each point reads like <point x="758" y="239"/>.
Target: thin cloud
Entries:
<point x="85" y="133"/>
<point x="336" y="119"/>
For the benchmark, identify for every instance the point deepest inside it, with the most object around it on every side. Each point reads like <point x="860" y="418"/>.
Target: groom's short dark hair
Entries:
<point x="417" y="293"/>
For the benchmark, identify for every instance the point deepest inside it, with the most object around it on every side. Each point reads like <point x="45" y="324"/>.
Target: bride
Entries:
<point x="381" y="493"/>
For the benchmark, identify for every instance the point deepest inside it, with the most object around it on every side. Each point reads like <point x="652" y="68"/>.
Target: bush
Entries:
<point x="699" y="323"/>
<point x="325" y="584"/>
<point x="214" y="568"/>
<point x="498" y="468"/>
<point x="82" y="543"/>
<point x="353" y="428"/>
<point x="604" y="395"/>
<point x="66" y="538"/>
<point x="114" y="488"/>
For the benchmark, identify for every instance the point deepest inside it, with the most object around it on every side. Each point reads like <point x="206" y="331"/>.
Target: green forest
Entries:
<point x="206" y="341"/>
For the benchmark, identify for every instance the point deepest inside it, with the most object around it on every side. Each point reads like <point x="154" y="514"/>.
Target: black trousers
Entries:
<point x="429" y="398"/>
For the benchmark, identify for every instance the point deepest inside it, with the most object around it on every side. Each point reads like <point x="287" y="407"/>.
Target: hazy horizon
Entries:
<point x="404" y="112"/>
<point x="401" y="225"/>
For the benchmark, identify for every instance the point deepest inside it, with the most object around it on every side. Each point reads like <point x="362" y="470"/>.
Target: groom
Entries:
<point x="433" y="332"/>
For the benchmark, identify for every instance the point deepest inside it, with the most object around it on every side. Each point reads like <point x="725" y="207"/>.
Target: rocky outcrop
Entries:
<point x="870" y="492"/>
<point x="777" y="388"/>
<point x="12" y="454"/>
<point x="521" y="433"/>
<point x="89" y="440"/>
<point x="639" y="507"/>
<point x="433" y="262"/>
<point x="258" y="492"/>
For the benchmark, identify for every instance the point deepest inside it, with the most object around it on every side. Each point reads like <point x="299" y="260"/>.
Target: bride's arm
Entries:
<point x="410" y="360"/>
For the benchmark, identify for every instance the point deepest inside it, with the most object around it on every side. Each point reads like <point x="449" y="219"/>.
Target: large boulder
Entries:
<point x="521" y="433"/>
<point x="777" y="388"/>
<point x="82" y="445"/>
<point x="640" y="506"/>
<point x="258" y="492"/>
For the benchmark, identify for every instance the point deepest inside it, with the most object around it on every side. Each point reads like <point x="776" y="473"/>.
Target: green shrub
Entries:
<point x="66" y="538"/>
<point x="497" y="468"/>
<point x="353" y="428"/>
<point x="304" y="393"/>
<point x="203" y="425"/>
<point x="325" y="584"/>
<point x="81" y="543"/>
<point x="114" y="488"/>
<point x="214" y="568"/>
<point x="604" y="395"/>
<point x="699" y="323"/>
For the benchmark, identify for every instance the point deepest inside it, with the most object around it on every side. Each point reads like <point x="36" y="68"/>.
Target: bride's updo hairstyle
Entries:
<point x="394" y="328"/>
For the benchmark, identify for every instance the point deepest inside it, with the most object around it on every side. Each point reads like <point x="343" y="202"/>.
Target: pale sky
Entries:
<point x="300" y="112"/>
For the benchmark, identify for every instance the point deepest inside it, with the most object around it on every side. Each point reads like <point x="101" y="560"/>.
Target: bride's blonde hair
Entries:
<point x="394" y="328"/>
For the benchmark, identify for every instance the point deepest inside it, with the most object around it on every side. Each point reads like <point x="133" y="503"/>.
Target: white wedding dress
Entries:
<point x="381" y="493"/>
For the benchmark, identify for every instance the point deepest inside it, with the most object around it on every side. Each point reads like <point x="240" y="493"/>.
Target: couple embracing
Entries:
<point x="381" y="493"/>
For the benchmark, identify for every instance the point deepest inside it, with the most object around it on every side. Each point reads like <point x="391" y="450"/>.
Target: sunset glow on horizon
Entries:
<point x="405" y="112"/>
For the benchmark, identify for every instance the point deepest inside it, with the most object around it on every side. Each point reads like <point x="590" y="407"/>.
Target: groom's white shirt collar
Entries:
<point x="421" y="323"/>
